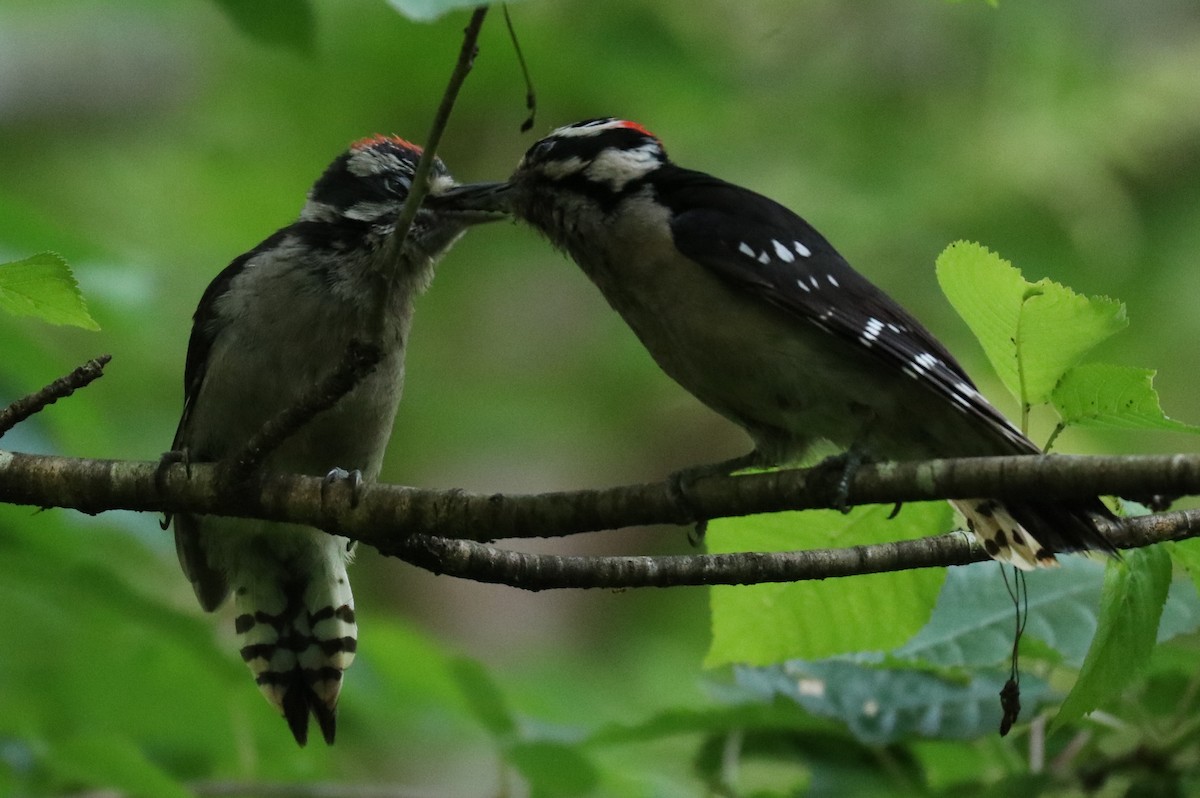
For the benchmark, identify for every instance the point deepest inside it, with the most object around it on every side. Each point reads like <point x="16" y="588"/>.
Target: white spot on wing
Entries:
<point x="746" y="249"/>
<point x="871" y="331"/>
<point x="802" y="250"/>
<point x="832" y="280"/>
<point x="783" y="252"/>
<point x="803" y="286"/>
<point x="921" y="364"/>
<point x="764" y="258"/>
<point x="927" y="360"/>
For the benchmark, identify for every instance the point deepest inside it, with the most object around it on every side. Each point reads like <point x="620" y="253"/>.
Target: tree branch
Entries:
<point x="61" y="388"/>
<point x="481" y="563"/>
<point x="391" y="517"/>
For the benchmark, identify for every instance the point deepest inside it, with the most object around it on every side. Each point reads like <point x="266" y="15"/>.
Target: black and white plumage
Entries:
<point x="755" y="313"/>
<point x="275" y="322"/>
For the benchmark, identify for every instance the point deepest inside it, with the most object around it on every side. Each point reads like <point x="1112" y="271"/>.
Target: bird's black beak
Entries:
<point x="473" y="202"/>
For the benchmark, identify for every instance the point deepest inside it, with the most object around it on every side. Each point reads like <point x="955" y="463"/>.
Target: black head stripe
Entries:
<point x="378" y="169"/>
<point x="585" y="141"/>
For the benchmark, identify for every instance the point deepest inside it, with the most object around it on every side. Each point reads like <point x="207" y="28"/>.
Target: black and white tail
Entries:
<point x="1027" y="535"/>
<point x="298" y="638"/>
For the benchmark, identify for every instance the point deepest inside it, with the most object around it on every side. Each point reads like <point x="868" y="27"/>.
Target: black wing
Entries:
<point x="209" y="584"/>
<point x="769" y="251"/>
<point x="203" y="333"/>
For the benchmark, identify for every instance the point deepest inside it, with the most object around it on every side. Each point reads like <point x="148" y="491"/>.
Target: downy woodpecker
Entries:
<point x="271" y="325"/>
<point x="750" y="309"/>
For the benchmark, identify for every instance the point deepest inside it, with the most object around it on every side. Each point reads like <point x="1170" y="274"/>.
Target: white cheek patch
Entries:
<point x="557" y="170"/>
<point x="369" y="211"/>
<point x="441" y="184"/>
<point x="618" y="167"/>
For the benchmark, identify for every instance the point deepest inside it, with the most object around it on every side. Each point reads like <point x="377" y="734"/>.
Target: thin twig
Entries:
<point x="530" y="93"/>
<point x="362" y="357"/>
<point x="61" y="388"/>
<point x="420" y="181"/>
<point x="359" y="361"/>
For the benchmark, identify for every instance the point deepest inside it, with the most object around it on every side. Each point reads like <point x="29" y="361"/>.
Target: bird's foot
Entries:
<point x="841" y="469"/>
<point x="355" y="478"/>
<point x="680" y="483"/>
<point x="167" y="460"/>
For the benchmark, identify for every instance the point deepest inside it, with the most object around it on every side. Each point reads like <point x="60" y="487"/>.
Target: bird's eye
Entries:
<point x="397" y="184"/>
<point x="540" y="151"/>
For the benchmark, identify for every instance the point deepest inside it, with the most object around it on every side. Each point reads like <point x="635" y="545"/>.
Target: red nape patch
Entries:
<point x="379" y="138"/>
<point x="635" y="126"/>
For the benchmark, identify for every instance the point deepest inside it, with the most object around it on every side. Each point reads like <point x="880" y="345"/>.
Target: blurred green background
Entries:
<point x="151" y="141"/>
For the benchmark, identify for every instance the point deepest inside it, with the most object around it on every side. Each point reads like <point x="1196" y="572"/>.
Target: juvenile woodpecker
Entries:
<point x="272" y="324"/>
<point x="750" y="309"/>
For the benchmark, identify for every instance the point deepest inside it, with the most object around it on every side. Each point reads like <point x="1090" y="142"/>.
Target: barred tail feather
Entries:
<point x="297" y="640"/>
<point x="1027" y="535"/>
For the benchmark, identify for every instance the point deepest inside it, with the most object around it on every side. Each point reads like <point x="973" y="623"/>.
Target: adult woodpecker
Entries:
<point x="275" y="322"/>
<point x="750" y="309"/>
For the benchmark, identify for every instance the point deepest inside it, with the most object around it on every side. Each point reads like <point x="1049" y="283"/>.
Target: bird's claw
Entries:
<point x="355" y="478"/>
<point x="845" y="466"/>
<point x="679" y="486"/>
<point x="167" y="460"/>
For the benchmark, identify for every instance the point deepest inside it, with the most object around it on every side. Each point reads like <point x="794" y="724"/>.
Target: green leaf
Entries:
<point x="43" y="286"/>
<point x="484" y="700"/>
<point x="429" y="10"/>
<point x="1032" y="332"/>
<point x="1186" y="554"/>
<point x="764" y="624"/>
<point x="104" y="760"/>
<point x="1135" y="590"/>
<point x="1181" y="613"/>
<point x="973" y="622"/>
<point x="883" y="705"/>
<point x="720" y="719"/>
<point x="1105" y="396"/>
<point x="553" y="769"/>
<point x="279" y="23"/>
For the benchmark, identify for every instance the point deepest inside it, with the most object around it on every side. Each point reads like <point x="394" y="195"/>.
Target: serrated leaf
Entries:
<point x="764" y="624"/>
<point x="429" y="10"/>
<point x="42" y="285"/>
<point x="880" y="705"/>
<point x="973" y="623"/>
<point x="1105" y="396"/>
<point x="1032" y="332"/>
<point x="280" y="23"/>
<point x="1135" y="590"/>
